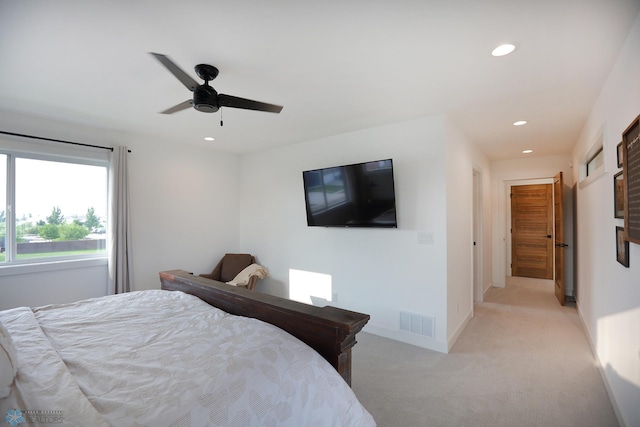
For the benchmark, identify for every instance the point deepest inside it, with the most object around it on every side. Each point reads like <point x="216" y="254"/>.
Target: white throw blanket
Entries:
<point x="242" y="279"/>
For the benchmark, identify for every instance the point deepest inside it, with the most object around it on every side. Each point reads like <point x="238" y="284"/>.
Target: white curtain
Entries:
<point x="119" y="243"/>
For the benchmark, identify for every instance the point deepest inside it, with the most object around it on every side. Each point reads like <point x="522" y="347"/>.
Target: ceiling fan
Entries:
<point x="205" y="97"/>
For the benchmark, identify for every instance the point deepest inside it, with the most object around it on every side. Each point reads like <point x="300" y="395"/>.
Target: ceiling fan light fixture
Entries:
<point x="503" y="49"/>
<point x="205" y="99"/>
<point x="520" y="123"/>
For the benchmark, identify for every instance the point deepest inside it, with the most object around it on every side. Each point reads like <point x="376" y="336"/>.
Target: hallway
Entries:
<point x="523" y="360"/>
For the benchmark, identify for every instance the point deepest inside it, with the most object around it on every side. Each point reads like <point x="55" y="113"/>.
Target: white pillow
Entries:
<point x="8" y="368"/>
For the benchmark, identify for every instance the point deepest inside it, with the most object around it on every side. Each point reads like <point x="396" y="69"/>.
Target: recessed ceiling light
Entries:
<point x="503" y="49"/>
<point x="520" y="123"/>
<point x="527" y="151"/>
<point x="209" y="138"/>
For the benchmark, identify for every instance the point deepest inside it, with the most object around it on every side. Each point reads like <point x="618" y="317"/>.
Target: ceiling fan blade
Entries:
<point x="182" y="106"/>
<point x="247" y="104"/>
<point x="176" y="71"/>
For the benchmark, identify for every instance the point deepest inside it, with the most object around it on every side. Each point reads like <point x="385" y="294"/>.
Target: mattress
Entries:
<point x="161" y="358"/>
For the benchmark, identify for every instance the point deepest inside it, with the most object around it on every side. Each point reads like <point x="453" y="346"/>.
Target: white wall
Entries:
<point x="55" y="286"/>
<point x="375" y="271"/>
<point x="185" y="214"/>
<point x="609" y="294"/>
<point x="506" y="172"/>
<point x="184" y="208"/>
<point x="461" y="159"/>
<point x="184" y="202"/>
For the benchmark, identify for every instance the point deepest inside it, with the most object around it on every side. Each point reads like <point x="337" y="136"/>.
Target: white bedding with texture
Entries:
<point x="161" y="358"/>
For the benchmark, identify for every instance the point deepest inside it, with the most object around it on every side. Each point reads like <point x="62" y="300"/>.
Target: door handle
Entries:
<point x="561" y="245"/>
<point x="549" y="236"/>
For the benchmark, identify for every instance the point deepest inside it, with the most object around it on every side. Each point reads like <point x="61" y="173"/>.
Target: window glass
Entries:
<point x="60" y="209"/>
<point x="596" y="162"/>
<point x="3" y="205"/>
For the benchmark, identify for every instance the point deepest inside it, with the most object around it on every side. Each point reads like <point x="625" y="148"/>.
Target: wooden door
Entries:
<point x="558" y="228"/>
<point x="531" y="231"/>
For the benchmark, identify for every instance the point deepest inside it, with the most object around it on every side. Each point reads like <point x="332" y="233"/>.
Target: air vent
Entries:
<point x="417" y="323"/>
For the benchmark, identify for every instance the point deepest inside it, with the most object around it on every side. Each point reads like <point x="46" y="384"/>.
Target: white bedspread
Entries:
<point x="161" y="358"/>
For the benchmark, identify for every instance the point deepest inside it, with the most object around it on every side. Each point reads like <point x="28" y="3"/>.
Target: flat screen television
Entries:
<point x="358" y="195"/>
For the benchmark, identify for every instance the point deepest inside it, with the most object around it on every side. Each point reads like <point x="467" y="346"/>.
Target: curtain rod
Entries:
<point x="58" y="140"/>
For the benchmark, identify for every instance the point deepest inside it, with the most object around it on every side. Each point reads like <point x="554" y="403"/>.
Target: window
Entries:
<point x="595" y="162"/>
<point x="51" y="208"/>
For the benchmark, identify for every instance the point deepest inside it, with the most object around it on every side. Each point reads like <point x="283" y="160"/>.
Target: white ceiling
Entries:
<point x="335" y="65"/>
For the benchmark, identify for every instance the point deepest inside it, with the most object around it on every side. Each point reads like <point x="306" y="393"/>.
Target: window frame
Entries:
<point x="595" y="162"/>
<point x="586" y="174"/>
<point x="11" y="265"/>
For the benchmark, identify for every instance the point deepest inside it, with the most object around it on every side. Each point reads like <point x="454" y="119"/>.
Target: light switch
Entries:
<point x="425" y="238"/>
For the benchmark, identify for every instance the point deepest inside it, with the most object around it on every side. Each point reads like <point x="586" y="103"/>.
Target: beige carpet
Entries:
<point x="523" y="360"/>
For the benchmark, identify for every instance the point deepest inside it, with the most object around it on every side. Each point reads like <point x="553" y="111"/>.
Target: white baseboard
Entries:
<point x="407" y="337"/>
<point x="456" y="335"/>
<point x="419" y="340"/>
<point x="484" y="292"/>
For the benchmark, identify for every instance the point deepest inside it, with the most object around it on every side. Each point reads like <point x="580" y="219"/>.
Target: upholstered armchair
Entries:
<point x="229" y="267"/>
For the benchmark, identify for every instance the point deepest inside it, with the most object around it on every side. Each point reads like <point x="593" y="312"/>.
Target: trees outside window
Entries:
<point x="59" y="208"/>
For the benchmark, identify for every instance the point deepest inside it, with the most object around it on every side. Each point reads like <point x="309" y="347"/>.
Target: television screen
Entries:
<point x="358" y="195"/>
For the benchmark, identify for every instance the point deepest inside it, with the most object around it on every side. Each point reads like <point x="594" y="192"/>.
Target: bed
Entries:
<point x="168" y="358"/>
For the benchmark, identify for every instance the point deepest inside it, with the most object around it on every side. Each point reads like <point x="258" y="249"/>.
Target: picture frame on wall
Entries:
<point x="631" y="170"/>
<point x="619" y="154"/>
<point x="618" y="195"/>
<point x="622" y="247"/>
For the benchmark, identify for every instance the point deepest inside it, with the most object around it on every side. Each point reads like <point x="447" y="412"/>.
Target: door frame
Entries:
<point x="478" y="287"/>
<point x="559" y="239"/>
<point x="508" y="185"/>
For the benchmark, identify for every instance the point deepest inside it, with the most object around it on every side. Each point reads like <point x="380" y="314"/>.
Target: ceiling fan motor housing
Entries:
<point x="205" y="99"/>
